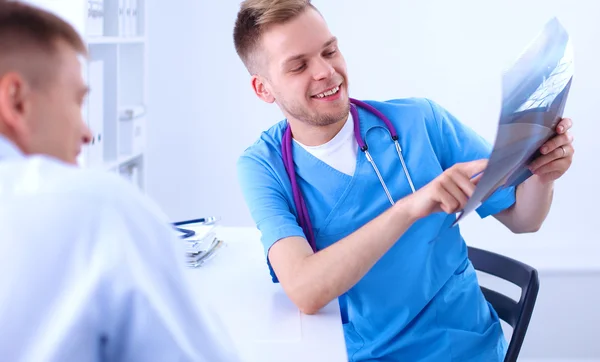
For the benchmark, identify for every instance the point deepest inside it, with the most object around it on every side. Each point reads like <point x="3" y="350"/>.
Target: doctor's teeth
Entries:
<point x="328" y="93"/>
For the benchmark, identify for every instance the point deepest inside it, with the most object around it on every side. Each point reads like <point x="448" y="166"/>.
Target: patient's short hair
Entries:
<point x="254" y="17"/>
<point x="29" y="31"/>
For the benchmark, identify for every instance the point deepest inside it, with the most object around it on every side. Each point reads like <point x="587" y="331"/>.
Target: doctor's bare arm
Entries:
<point x="312" y="280"/>
<point x="532" y="205"/>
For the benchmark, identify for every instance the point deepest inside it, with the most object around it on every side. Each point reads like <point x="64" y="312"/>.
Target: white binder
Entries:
<point x="133" y="18"/>
<point x="95" y="18"/>
<point x="122" y="17"/>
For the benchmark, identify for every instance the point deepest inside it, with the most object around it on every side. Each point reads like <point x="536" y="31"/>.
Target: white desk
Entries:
<point x="265" y="324"/>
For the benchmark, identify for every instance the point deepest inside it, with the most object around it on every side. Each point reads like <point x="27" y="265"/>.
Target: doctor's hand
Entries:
<point x="448" y="192"/>
<point x="556" y="154"/>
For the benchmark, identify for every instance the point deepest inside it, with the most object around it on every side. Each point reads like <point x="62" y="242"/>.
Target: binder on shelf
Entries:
<point x="132" y="130"/>
<point x="128" y="17"/>
<point x="95" y="18"/>
<point x="132" y="24"/>
<point x="122" y="18"/>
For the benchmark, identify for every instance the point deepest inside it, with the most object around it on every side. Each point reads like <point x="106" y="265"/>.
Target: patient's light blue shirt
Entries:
<point x="421" y="301"/>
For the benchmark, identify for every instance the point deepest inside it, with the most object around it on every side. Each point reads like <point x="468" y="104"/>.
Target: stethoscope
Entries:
<point x="187" y="233"/>
<point x="288" y="161"/>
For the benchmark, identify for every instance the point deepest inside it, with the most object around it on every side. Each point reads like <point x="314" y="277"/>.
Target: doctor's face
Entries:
<point x="55" y="125"/>
<point x="303" y="70"/>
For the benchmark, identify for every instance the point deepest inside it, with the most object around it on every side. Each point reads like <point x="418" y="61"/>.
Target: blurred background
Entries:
<point x="172" y="110"/>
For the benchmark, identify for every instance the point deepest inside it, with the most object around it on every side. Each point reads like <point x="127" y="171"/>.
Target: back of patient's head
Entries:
<point x="40" y="73"/>
<point x="29" y="39"/>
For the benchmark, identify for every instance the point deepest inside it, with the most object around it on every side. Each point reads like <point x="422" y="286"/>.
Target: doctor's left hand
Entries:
<point x="557" y="154"/>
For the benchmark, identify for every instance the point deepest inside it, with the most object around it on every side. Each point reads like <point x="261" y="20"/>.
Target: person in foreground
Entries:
<point x="406" y="287"/>
<point x="91" y="270"/>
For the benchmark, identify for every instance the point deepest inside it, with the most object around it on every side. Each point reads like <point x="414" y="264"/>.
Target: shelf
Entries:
<point x="123" y="160"/>
<point x="114" y="32"/>
<point x="115" y="40"/>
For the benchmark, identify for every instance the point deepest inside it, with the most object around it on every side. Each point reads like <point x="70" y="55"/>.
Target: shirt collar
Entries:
<point x="367" y="121"/>
<point x="8" y="149"/>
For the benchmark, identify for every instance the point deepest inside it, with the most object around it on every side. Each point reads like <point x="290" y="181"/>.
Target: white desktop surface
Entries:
<point x="265" y="325"/>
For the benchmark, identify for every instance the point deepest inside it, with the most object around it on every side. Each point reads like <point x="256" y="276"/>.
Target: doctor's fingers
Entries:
<point x="475" y="180"/>
<point x="564" y="125"/>
<point x="447" y="202"/>
<point x="458" y="197"/>
<point x="558" y="167"/>
<point x="555" y="142"/>
<point x="561" y="152"/>
<point x="459" y="177"/>
<point x="469" y="169"/>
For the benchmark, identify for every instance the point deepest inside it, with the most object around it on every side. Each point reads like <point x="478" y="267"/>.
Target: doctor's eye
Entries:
<point x="331" y="53"/>
<point x="298" y="68"/>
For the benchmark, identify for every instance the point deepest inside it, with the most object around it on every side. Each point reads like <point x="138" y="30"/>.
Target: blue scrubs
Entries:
<point x="421" y="301"/>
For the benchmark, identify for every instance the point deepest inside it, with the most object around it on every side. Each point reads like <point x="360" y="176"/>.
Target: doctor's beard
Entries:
<point x="313" y="117"/>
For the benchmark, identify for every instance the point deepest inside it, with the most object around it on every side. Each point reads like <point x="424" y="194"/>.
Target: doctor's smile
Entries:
<point x="330" y="94"/>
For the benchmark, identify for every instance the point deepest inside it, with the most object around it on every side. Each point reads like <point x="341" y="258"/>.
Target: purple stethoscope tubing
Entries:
<point x="288" y="161"/>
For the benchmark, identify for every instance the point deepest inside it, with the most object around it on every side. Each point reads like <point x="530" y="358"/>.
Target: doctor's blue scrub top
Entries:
<point x="421" y="301"/>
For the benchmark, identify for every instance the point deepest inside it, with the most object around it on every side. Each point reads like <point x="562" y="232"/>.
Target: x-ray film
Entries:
<point x="534" y="93"/>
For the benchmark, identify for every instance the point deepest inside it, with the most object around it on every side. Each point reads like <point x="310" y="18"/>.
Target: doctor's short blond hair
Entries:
<point x="254" y="17"/>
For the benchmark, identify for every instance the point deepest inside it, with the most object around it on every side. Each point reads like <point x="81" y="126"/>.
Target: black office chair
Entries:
<point x="516" y="314"/>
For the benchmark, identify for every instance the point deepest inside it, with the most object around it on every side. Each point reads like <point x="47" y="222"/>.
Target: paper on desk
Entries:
<point x="534" y="92"/>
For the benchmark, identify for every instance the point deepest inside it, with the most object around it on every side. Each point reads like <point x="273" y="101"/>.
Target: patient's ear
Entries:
<point x="14" y="101"/>
<point x="261" y="88"/>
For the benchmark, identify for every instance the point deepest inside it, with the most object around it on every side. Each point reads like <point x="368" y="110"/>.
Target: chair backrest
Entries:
<point x="516" y="314"/>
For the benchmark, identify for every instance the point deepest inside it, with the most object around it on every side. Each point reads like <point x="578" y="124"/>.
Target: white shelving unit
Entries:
<point x="116" y="72"/>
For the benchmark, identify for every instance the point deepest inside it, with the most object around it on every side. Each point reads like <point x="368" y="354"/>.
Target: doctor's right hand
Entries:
<point x="449" y="191"/>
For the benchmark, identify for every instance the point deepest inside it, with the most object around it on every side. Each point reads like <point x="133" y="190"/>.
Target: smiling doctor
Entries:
<point x="355" y="199"/>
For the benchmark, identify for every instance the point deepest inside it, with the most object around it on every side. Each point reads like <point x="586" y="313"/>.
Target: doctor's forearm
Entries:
<point x="533" y="201"/>
<point x="330" y="272"/>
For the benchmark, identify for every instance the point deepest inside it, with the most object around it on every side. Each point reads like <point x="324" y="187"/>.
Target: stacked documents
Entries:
<point x="200" y="240"/>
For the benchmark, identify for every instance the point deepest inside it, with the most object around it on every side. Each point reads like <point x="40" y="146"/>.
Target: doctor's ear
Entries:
<point x="261" y="89"/>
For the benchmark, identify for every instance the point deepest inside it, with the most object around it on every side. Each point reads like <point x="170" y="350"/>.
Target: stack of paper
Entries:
<point x="201" y="250"/>
<point x="203" y="245"/>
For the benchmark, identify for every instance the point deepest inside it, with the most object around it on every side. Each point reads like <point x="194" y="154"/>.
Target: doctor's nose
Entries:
<point x="323" y="70"/>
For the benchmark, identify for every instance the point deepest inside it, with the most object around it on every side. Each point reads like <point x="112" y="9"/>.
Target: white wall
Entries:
<point x="204" y="114"/>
